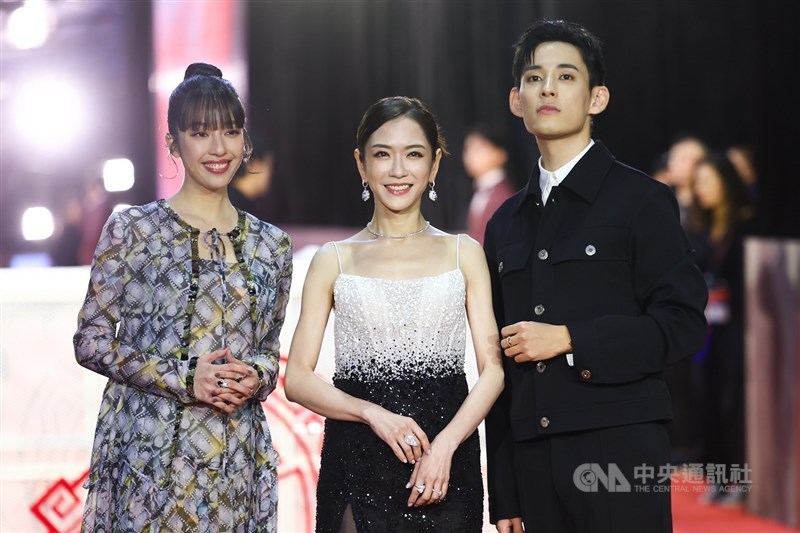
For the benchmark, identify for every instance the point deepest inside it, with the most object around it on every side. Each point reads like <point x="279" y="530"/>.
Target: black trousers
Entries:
<point x="610" y="480"/>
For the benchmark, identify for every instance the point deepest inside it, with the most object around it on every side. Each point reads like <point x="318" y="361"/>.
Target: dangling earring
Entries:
<point x="432" y="193"/>
<point x="365" y="192"/>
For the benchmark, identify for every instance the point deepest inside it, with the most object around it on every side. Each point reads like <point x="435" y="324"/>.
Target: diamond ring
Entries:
<point x="411" y="440"/>
<point x="222" y="384"/>
<point x="420" y="488"/>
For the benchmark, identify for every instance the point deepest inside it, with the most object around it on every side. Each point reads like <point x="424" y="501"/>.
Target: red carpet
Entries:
<point x="690" y="516"/>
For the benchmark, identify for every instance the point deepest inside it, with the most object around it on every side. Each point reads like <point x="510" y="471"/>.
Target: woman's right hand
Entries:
<point x="207" y="376"/>
<point x="397" y="431"/>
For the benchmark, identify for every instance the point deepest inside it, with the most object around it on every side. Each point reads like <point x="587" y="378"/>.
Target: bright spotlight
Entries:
<point x="118" y="175"/>
<point x="29" y="25"/>
<point x="50" y="112"/>
<point x="37" y="224"/>
<point x="120" y="207"/>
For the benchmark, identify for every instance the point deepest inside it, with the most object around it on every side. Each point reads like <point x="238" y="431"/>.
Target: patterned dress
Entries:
<point x="399" y="344"/>
<point x="161" y="461"/>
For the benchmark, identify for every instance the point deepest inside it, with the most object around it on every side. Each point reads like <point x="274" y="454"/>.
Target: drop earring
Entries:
<point x="365" y="192"/>
<point x="432" y="193"/>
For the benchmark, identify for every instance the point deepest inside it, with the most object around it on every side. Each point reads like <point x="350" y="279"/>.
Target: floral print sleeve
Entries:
<point x="98" y="343"/>
<point x="266" y="361"/>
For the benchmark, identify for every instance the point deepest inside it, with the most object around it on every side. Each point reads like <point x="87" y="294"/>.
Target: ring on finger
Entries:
<point x="437" y="493"/>
<point x="508" y="341"/>
<point x="222" y="384"/>
<point x="420" y="488"/>
<point x="411" y="440"/>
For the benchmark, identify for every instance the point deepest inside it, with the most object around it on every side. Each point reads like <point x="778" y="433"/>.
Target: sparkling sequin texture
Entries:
<point x="399" y="344"/>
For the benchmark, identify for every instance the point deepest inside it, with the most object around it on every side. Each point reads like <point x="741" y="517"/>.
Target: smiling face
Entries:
<point x="554" y="99"/>
<point x="210" y="157"/>
<point x="398" y="163"/>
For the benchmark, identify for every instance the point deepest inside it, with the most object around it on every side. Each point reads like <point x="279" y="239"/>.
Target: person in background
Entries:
<point x="743" y="158"/>
<point x="485" y="157"/>
<point x="252" y="182"/>
<point x="721" y="196"/>
<point x="186" y="301"/>
<point x="595" y="291"/>
<point x="684" y="154"/>
<point x="401" y="451"/>
<point x="66" y="247"/>
<point x="96" y="207"/>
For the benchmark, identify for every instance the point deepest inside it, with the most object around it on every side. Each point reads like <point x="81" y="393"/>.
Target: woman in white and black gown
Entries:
<point x="401" y="449"/>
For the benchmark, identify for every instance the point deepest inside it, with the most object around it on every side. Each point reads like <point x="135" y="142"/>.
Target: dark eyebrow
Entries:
<point x="410" y="146"/>
<point x="562" y="65"/>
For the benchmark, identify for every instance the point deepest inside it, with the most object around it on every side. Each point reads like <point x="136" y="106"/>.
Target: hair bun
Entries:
<point x="202" y="69"/>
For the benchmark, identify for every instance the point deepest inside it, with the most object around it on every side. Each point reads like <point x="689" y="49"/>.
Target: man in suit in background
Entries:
<point x="595" y="291"/>
<point x="485" y="157"/>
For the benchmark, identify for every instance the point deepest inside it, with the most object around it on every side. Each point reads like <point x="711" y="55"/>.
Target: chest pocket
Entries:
<point x="603" y="243"/>
<point x="512" y="258"/>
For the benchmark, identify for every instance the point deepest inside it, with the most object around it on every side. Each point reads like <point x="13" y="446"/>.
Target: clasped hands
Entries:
<point x="225" y="386"/>
<point x="431" y="474"/>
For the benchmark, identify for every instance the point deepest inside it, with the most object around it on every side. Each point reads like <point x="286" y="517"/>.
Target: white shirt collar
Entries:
<point x="557" y="176"/>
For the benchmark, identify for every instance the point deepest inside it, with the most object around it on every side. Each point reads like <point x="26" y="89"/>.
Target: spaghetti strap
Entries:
<point x="338" y="257"/>
<point x="458" y="251"/>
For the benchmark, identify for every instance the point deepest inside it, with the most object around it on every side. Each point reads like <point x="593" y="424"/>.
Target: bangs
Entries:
<point x="211" y="112"/>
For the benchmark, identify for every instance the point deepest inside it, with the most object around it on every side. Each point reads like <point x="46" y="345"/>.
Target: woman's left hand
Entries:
<point x="241" y="382"/>
<point x="431" y="476"/>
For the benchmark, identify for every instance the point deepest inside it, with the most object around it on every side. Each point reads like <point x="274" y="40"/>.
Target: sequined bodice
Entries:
<point x="399" y="329"/>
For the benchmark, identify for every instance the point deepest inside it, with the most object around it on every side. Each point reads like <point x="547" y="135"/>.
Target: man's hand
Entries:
<point x="534" y="341"/>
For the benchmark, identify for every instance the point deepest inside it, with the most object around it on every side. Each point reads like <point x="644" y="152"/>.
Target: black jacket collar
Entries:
<point x="585" y="179"/>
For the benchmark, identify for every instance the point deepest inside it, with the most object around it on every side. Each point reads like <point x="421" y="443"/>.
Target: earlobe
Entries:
<point x="514" y="102"/>
<point x="360" y="164"/>
<point x="169" y="144"/>
<point x="435" y="167"/>
<point x="600" y="98"/>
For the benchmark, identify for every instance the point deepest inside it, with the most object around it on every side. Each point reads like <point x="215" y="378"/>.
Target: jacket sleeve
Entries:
<point x="266" y="360"/>
<point x="670" y="291"/>
<point x="96" y="342"/>
<point x="501" y="478"/>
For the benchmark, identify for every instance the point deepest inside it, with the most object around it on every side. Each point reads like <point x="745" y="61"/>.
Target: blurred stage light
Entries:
<point x="50" y="113"/>
<point x="120" y="207"/>
<point x="30" y="25"/>
<point x="37" y="224"/>
<point x="118" y="175"/>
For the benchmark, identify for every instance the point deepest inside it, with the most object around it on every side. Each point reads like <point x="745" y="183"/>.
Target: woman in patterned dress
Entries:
<point x="401" y="450"/>
<point x="186" y="300"/>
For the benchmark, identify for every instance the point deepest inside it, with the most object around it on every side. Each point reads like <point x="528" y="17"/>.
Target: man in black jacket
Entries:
<point x="595" y="292"/>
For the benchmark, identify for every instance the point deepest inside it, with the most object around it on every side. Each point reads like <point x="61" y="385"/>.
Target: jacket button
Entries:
<point x="590" y="249"/>
<point x="540" y="367"/>
<point x="538" y="310"/>
<point x="586" y="374"/>
<point x="543" y="254"/>
<point x="544" y="422"/>
<point x="500" y="267"/>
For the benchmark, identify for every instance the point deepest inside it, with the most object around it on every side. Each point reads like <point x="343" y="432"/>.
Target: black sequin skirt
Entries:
<point x="359" y="469"/>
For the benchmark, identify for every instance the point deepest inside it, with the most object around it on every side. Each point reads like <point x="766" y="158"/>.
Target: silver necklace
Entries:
<point x="387" y="236"/>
